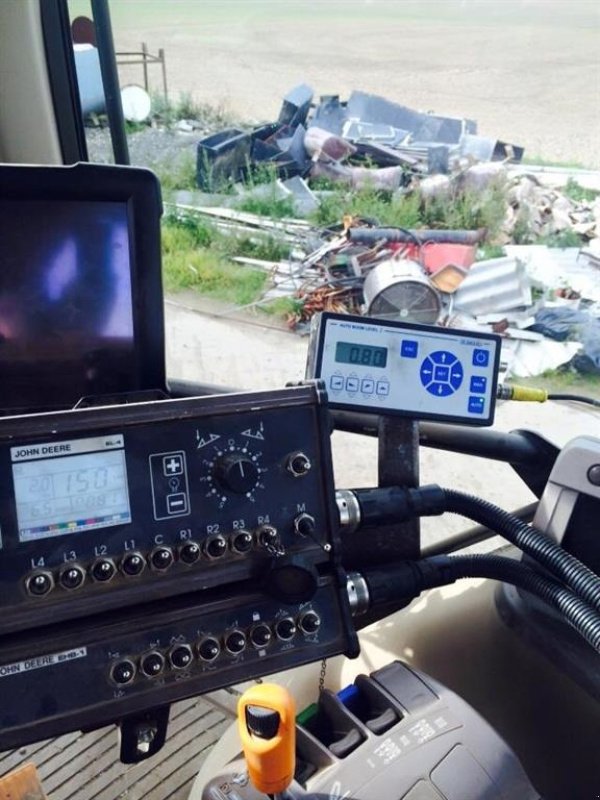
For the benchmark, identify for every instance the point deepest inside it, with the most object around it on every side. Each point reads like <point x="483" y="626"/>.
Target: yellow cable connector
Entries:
<point x="529" y="394"/>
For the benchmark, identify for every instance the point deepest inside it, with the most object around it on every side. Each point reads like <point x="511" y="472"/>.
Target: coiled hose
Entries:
<point x="575" y="610"/>
<point x="540" y="547"/>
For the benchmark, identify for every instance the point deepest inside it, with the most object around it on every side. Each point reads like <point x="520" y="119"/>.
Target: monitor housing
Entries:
<point x="81" y="305"/>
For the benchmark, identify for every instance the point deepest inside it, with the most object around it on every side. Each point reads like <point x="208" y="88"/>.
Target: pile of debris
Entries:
<point x="544" y="302"/>
<point x="385" y="142"/>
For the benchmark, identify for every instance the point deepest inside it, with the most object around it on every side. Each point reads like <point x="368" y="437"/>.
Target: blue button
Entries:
<point x="352" y="384"/>
<point x="442" y="357"/>
<point x="383" y="388"/>
<point x="441" y="373"/>
<point x="440" y="389"/>
<point x="456" y="376"/>
<point x="481" y="358"/>
<point x="476" y="405"/>
<point x="336" y="382"/>
<point x="478" y="384"/>
<point x="367" y="386"/>
<point x="409" y="348"/>
<point x="426" y="371"/>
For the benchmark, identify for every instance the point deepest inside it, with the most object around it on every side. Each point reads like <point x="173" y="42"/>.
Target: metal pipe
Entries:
<point x="373" y="235"/>
<point x="513" y="448"/>
<point x="110" y="80"/>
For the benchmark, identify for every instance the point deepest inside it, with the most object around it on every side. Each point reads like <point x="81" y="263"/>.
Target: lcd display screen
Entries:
<point x="56" y="496"/>
<point x="66" y="311"/>
<point x="361" y="354"/>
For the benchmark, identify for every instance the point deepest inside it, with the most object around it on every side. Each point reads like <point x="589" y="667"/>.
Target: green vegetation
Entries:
<point x="196" y="255"/>
<point x="189" y="264"/>
<point x="168" y="111"/>
<point x="579" y="193"/>
<point x="540" y="161"/>
<point x="178" y="173"/>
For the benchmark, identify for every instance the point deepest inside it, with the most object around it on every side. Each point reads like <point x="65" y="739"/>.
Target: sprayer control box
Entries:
<point x="418" y="371"/>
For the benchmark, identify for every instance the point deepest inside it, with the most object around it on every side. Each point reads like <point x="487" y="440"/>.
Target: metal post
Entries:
<point x="145" y="64"/>
<point x="163" y="63"/>
<point x="110" y="80"/>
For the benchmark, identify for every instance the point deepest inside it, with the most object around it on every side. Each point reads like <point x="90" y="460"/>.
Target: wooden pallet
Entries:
<point x="86" y="766"/>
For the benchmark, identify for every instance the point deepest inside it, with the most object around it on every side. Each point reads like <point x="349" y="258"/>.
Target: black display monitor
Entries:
<point x="81" y="307"/>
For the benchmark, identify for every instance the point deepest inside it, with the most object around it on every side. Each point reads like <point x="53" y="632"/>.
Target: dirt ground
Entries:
<point x="527" y="70"/>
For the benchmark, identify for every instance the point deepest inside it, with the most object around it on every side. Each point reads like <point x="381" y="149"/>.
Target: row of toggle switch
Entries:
<point x="72" y="576"/>
<point x="233" y="643"/>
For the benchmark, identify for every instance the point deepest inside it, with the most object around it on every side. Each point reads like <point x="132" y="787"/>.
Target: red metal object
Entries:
<point x="435" y="255"/>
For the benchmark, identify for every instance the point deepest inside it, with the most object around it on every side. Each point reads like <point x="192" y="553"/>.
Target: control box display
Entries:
<point x="107" y="507"/>
<point x="416" y="371"/>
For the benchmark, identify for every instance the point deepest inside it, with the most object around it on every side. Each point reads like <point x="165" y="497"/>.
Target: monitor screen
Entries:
<point x="73" y="299"/>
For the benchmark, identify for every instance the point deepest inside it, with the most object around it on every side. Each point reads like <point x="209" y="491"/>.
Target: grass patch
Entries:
<point x="268" y="205"/>
<point x="188" y="267"/>
<point x="195" y="255"/>
<point x="540" y="161"/>
<point x="179" y="173"/>
<point x="380" y="207"/>
<point x="169" y="111"/>
<point x="580" y="194"/>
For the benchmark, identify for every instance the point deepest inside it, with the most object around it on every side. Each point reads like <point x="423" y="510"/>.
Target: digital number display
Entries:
<point x="57" y="496"/>
<point x="361" y="354"/>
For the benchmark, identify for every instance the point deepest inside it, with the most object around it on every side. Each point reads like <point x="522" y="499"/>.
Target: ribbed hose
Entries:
<point x="540" y="547"/>
<point x="578" y="613"/>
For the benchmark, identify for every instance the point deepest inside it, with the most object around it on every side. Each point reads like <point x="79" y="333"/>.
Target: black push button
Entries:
<point x="242" y="542"/>
<point x="123" y="672"/>
<point x="285" y="629"/>
<point x="103" y="570"/>
<point x="260" y="635"/>
<point x="209" y="649"/>
<point x="39" y="583"/>
<point x="133" y="564"/>
<point x="189" y="552"/>
<point x="161" y="558"/>
<point x="215" y="547"/>
<point x="299" y="465"/>
<point x="152" y="664"/>
<point x="310" y="622"/>
<point x="181" y="656"/>
<point x="71" y="577"/>
<point x="235" y="642"/>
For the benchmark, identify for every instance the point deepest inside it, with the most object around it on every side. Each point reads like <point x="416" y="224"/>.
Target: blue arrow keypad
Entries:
<point x="441" y="373"/>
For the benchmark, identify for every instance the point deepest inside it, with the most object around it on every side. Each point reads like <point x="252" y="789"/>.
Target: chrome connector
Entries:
<point x="349" y="510"/>
<point x="358" y="593"/>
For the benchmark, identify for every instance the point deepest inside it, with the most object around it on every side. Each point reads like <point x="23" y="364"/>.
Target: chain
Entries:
<point x="322" y="675"/>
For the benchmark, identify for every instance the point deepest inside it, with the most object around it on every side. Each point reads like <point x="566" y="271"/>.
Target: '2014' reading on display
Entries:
<point x="361" y="354"/>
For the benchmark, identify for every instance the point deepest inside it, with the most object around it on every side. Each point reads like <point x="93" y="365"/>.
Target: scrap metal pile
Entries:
<point x="545" y="302"/>
<point x="367" y="138"/>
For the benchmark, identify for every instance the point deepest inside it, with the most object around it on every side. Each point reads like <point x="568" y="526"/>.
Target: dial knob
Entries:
<point x="236" y="473"/>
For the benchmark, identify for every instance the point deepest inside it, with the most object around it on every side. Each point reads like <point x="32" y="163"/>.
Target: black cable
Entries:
<point x="405" y="580"/>
<point x="540" y="547"/>
<point x="575" y="610"/>
<point x="577" y="398"/>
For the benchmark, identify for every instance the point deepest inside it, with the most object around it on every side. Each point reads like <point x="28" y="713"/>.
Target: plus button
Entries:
<point x="173" y="465"/>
